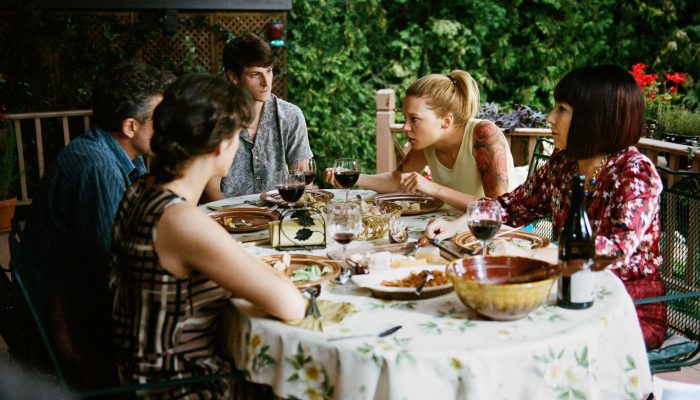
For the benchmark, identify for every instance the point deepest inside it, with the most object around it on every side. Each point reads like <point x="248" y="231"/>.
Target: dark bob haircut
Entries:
<point x="197" y="113"/>
<point x="248" y="50"/>
<point x="608" y="110"/>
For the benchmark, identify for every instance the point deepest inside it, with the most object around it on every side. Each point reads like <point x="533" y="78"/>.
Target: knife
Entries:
<point x="381" y="334"/>
<point x="436" y="243"/>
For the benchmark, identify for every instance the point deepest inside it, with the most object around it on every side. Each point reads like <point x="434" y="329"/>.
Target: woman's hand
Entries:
<point x="440" y="229"/>
<point x="329" y="177"/>
<point x="413" y="182"/>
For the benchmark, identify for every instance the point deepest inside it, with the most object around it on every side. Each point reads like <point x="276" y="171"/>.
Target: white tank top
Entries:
<point x="464" y="176"/>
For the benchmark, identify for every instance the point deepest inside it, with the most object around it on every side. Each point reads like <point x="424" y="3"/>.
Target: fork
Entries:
<point x="427" y="276"/>
<point x="313" y="309"/>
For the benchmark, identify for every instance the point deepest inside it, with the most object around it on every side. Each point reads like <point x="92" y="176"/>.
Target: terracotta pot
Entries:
<point x="7" y="212"/>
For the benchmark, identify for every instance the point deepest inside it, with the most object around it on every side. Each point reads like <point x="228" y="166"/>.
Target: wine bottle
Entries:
<point x="577" y="242"/>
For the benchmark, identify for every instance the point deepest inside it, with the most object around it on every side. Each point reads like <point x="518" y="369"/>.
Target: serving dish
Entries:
<point x="299" y="261"/>
<point x="373" y="282"/>
<point x="273" y="197"/>
<point x="527" y="240"/>
<point x="395" y="248"/>
<point x="502" y="288"/>
<point x="427" y="203"/>
<point x="238" y="220"/>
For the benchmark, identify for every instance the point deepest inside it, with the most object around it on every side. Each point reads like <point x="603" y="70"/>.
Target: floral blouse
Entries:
<point x="623" y="208"/>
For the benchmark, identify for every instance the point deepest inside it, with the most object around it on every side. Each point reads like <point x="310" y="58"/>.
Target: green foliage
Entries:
<point x="8" y="161"/>
<point x="342" y="52"/>
<point x="679" y="120"/>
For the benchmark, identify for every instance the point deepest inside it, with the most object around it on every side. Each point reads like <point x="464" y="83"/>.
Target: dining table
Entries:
<point x="443" y="349"/>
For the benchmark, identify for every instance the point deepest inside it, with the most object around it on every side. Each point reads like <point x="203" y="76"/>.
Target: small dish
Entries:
<point x="273" y="197"/>
<point x="299" y="261"/>
<point x="425" y="203"/>
<point x="533" y="240"/>
<point x="373" y="282"/>
<point x="239" y="220"/>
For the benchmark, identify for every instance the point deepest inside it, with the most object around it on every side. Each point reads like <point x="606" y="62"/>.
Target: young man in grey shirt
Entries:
<point x="276" y="138"/>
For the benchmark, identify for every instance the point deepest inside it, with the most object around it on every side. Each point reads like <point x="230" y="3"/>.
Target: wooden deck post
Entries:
<point x="386" y="158"/>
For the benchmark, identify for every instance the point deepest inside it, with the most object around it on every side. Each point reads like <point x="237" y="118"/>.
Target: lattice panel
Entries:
<point x="173" y="48"/>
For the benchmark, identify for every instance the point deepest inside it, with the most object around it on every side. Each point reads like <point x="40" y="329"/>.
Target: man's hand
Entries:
<point x="329" y="177"/>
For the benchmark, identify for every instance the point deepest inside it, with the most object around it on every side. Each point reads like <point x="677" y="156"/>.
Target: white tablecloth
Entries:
<point x="445" y="351"/>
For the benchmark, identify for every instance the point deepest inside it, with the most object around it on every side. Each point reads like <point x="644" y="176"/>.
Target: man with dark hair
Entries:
<point x="69" y="230"/>
<point x="276" y="138"/>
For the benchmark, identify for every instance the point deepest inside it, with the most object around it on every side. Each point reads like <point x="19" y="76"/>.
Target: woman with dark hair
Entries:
<point x="173" y="268"/>
<point x="596" y="121"/>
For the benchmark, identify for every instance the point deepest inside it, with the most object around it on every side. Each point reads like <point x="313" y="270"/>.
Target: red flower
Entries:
<point x="672" y="89"/>
<point x="652" y="95"/>
<point x="676" y="77"/>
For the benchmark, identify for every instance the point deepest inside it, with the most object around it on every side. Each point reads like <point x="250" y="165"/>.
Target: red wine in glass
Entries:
<point x="344" y="237"/>
<point x="309" y="177"/>
<point x="484" y="220"/>
<point x="347" y="179"/>
<point x="484" y="229"/>
<point x="291" y="193"/>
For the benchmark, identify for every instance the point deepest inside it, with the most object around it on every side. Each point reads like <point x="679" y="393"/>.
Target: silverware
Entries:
<point x="381" y="334"/>
<point x="313" y="309"/>
<point x="427" y="276"/>
<point x="436" y="243"/>
<point x="417" y="245"/>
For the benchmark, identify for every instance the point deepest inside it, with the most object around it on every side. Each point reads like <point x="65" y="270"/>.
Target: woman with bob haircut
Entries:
<point x="174" y="268"/>
<point x="465" y="155"/>
<point x="596" y="121"/>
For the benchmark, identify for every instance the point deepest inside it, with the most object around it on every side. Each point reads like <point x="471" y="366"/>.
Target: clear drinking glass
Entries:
<point x="308" y="167"/>
<point x="484" y="220"/>
<point x="344" y="222"/>
<point x="346" y="172"/>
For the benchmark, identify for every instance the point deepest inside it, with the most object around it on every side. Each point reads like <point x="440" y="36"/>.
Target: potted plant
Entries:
<point x="8" y="176"/>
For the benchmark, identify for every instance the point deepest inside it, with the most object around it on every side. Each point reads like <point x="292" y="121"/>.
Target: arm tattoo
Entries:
<point x="491" y="159"/>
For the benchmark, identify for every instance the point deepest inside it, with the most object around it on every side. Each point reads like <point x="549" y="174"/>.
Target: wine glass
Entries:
<point x="344" y="224"/>
<point x="308" y="167"/>
<point x="346" y="172"/>
<point x="291" y="187"/>
<point x="484" y="220"/>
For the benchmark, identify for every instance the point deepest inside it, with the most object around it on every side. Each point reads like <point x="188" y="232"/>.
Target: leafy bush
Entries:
<point x="342" y="52"/>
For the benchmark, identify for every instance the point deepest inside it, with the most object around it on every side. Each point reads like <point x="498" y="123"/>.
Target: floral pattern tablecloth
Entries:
<point x="445" y="351"/>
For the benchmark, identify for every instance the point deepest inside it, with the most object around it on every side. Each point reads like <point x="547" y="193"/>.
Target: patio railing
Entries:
<point x="69" y="124"/>
<point x="390" y="150"/>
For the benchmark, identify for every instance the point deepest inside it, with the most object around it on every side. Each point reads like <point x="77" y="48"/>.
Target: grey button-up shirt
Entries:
<point x="281" y="139"/>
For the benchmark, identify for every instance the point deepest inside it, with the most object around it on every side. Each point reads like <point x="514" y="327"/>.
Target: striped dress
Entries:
<point x="165" y="325"/>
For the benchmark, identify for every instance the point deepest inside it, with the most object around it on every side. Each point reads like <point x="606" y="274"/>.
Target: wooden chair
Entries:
<point x="30" y="286"/>
<point x="680" y="270"/>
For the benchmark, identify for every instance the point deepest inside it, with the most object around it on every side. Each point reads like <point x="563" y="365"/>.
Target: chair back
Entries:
<point x="544" y="146"/>
<point x="29" y="281"/>
<point x="540" y="156"/>
<point x="680" y="249"/>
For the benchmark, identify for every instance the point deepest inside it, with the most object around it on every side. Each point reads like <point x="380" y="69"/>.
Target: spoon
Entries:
<point x="417" y="245"/>
<point x="427" y="276"/>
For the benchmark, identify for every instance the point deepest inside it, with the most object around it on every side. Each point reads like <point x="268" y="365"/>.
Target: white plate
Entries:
<point x="373" y="282"/>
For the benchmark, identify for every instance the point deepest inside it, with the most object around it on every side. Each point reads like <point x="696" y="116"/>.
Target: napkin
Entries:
<point x="292" y="234"/>
<point x="332" y="312"/>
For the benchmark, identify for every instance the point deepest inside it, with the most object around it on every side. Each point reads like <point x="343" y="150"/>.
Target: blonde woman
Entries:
<point x="466" y="156"/>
